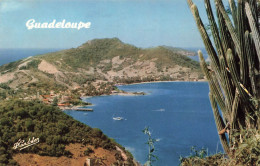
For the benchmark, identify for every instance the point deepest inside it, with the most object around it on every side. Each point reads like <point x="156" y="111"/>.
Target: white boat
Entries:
<point x="118" y="118"/>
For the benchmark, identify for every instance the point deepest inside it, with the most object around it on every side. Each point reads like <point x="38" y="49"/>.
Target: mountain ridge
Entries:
<point x="105" y="60"/>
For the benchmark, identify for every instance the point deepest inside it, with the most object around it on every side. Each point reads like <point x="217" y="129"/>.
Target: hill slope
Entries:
<point x="58" y="134"/>
<point x="108" y="60"/>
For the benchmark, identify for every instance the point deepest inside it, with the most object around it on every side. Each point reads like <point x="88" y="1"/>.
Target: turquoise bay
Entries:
<point x="178" y="114"/>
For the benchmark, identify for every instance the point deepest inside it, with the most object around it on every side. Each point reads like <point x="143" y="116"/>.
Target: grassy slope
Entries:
<point x="97" y="55"/>
<point x="92" y="52"/>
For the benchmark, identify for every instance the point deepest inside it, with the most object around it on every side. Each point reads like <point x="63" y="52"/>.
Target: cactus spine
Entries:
<point x="234" y="66"/>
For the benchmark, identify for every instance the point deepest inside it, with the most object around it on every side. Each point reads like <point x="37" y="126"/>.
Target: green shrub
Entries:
<point x="27" y="119"/>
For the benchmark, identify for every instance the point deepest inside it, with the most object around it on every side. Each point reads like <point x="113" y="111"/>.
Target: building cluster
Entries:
<point x="52" y="99"/>
<point x="56" y="99"/>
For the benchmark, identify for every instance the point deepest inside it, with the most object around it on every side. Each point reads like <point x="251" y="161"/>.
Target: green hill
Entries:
<point x="55" y="130"/>
<point x="181" y="51"/>
<point x="105" y="60"/>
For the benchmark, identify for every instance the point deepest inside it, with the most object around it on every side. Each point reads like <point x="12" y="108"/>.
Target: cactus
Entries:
<point x="234" y="66"/>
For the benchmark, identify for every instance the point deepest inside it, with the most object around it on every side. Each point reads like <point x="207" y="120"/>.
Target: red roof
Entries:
<point x="46" y="96"/>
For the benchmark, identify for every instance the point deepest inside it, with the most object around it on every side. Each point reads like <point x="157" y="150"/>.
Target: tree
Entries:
<point x="55" y="101"/>
<point x="29" y="125"/>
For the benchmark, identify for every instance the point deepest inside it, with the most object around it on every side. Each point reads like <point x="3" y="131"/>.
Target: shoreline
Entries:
<point x="77" y="108"/>
<point x="159" y="82"/>
<point x="117" y="94"/>
<point x="133" y="93"/>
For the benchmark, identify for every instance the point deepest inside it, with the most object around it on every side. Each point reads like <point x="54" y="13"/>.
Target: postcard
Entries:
<point x="129" y="82"/>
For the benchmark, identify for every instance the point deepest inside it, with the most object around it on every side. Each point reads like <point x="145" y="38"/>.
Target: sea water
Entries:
<point x="178" y="114"/>
<point x="11" y="55"/>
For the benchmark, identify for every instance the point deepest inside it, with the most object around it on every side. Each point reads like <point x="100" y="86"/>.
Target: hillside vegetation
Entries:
<point x="100" y="60"/>
<point x="55" y="130"/>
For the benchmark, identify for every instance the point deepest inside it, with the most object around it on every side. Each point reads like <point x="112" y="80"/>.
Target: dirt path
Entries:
<point x="47" y="67"/>
<point x="78" y="158"/>
<point x="122" y="153"/>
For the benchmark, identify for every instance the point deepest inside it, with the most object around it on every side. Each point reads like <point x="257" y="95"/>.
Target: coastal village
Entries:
<point x="72" y="99"/>
<point x="66" y="99"/>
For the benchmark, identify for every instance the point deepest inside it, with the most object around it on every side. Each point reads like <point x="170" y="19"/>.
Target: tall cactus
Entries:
<point x="233" y="73"/>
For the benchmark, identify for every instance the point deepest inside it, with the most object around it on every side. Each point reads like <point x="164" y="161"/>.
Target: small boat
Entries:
<point x="118" y="118"/>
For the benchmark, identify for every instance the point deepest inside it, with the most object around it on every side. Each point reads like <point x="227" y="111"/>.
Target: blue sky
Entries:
<point x="143" y="23"/>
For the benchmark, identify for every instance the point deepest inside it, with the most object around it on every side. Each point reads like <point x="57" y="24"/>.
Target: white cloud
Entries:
<point x="7" y="5"/>
<point x="131" y="149"/>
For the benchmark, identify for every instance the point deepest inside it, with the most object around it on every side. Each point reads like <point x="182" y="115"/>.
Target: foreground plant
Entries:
<point x="233" y="73"/>
<point x="151" y="157"/>
<point x="246" y="153"/>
